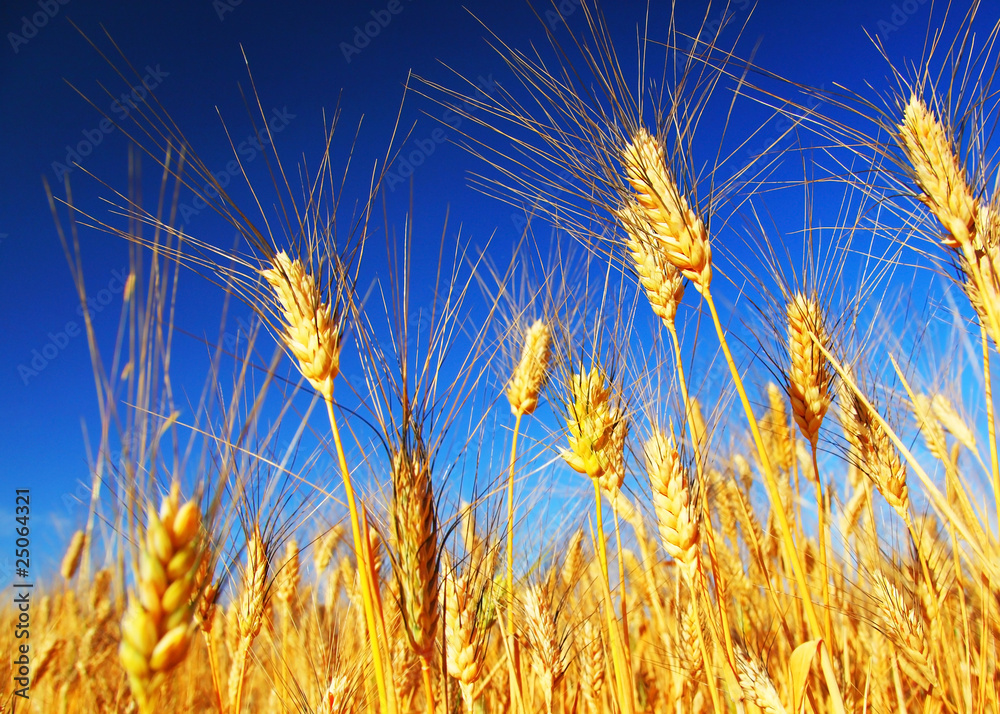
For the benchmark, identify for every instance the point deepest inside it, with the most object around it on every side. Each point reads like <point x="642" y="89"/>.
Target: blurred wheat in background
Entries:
<point x="829" y="544"/>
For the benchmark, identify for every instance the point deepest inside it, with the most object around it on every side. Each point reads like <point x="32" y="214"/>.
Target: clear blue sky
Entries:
<point x="297" y="54"/>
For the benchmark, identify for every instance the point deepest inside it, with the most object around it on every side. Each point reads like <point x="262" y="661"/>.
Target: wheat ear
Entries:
<point x="756" y="684"/>
<point x="592" y="665"/>
<point x="465" y="626"/>
<point x="906" y="632"/>
<point x="249" y="615"/>
<point x="679" y="228"/>
<point x="673" y="502"/>
<point x="415" y="528"/>
<point x="71" y="560"/>
<point x="157" y="626"/>
<point x="662" y="281"/>
<point x="529" y="375"/>
<point x="549" y="654"/>
<point x="938" y="172"/>
<point x="810" y="378"/>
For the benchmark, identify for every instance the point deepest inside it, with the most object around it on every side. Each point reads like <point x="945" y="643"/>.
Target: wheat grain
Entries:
<point x="756" y="684"/>
<point x="590" y="421"/>
<point x="906" y="631"/>
<point x="663" y="283"/>
<point x="414" y="522"/>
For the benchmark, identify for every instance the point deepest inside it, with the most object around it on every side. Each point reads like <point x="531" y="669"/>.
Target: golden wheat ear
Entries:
<point x="311" y="330"/>
<point x="532" y="369"/>
<point x="158" y="625"/>
<point x="71" y="560"/>
<point x="683" y="239"/>
<point x="673" y="501"/>
<point x="810" y="377"/>
<point x="938" y="172"/>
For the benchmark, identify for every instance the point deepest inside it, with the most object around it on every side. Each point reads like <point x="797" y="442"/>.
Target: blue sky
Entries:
<point x="303" y="56"/>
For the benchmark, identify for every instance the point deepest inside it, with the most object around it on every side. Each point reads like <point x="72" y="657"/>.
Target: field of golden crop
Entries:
<point x="786" y="504"/>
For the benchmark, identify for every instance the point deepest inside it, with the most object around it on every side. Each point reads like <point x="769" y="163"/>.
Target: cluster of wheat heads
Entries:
<point x="829" y="545"/>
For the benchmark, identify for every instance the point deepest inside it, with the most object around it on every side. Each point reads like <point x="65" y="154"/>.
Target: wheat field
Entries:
<point x="589" y="479"/>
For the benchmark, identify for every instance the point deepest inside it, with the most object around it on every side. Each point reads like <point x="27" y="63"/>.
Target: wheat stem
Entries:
<point x="823" y="559"/>
<point x="425" y="672"/>
<point x="769" y="480"/>
<point x="772" y="489"/>
<point x="623" y="678"/>
<point x="363" y="566"/>
<point x="720" y="582"/>
<point x="621" y="579"/>
<point x="991" y="422"/>
<point x="515" y="674"/>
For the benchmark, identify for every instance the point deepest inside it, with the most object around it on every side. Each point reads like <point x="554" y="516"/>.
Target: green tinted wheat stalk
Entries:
<point x="158" y="624"/>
